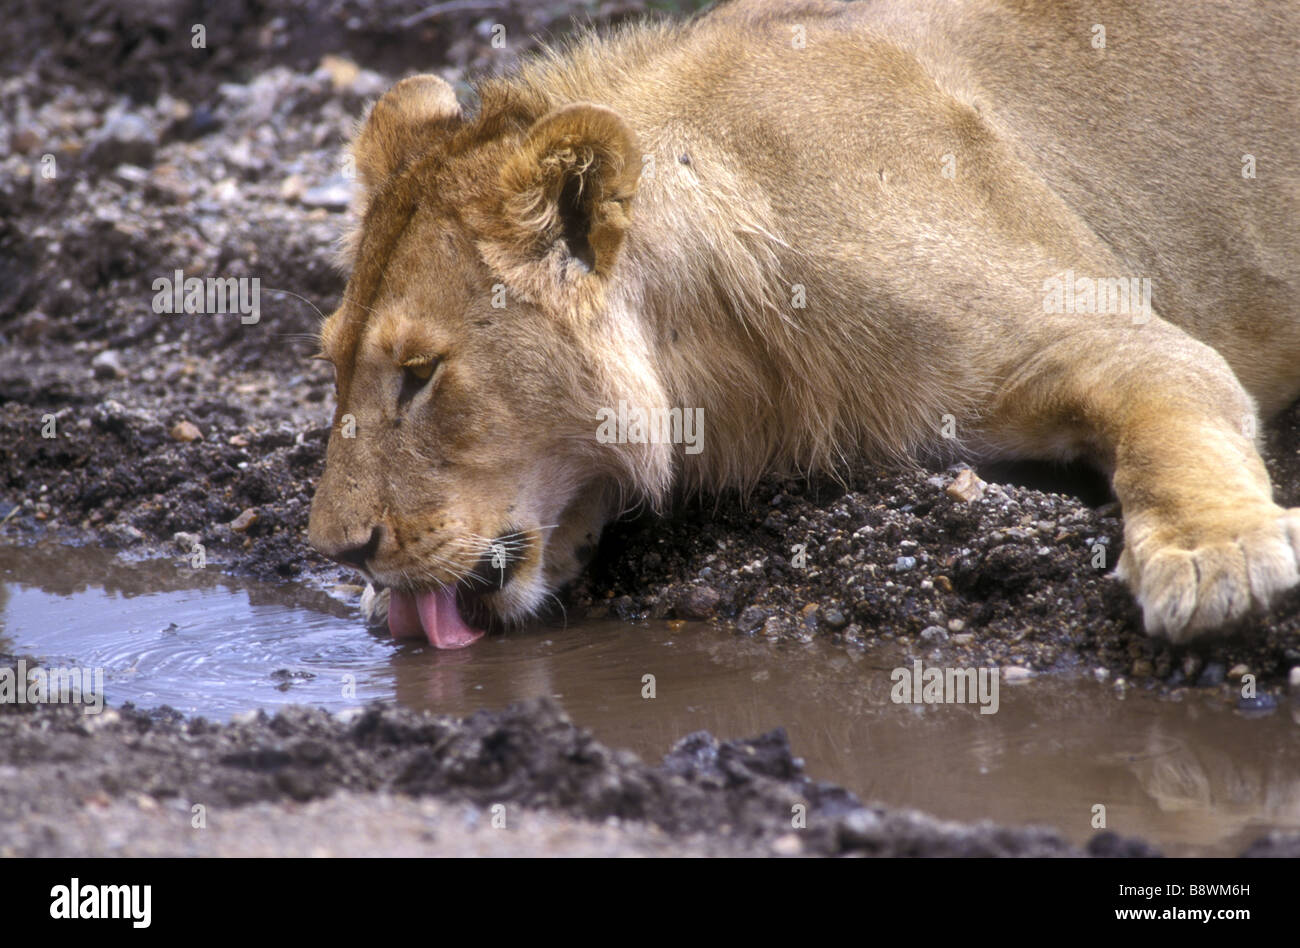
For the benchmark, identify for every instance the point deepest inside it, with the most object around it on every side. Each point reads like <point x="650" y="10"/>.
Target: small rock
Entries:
<point x="333" y="195"/>
<point x="904" y="563"/>
<point x="1143" y="668"/>
<point x="348" y="715"/>
<point x="966" y="487"/>
<point x="699" y="602"/>
<point x="245" y="520"/>
<point x="1236" y="672"/>
<point x="167" y="185"/>
<point x="751" y="619"/>
<point x="123" y="534"/>
<point x="834" y="618"/>
<point x="185" y="541"/>
<point x="108" y="365"/>
<point x="956" y="625"/>
<point x="963" y="638"/>
<point x="293" y="187"/>
<point x="860" y="828"/>
<point x="25" y="140"/>
<point x="185" y="431"/>
<point x="934" y="635"/>
<point x="788" y="845"/>
<point x="1016" y="673"/>
<point x="1293" y="680"/>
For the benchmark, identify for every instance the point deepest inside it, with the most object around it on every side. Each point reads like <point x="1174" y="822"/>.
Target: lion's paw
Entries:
<point x="1186" y="588"/>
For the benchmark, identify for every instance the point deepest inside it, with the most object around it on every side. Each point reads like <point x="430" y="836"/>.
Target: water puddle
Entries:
<point x="1191" y="776"/>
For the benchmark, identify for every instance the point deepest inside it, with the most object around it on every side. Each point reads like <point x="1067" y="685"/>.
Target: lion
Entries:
<point x="831" y="231"/>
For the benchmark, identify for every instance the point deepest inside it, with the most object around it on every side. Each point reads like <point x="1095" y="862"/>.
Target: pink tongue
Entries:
<point x="430" y="614"/>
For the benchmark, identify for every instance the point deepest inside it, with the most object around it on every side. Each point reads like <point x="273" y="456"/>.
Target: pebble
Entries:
<point x="834" y="618"/>
<point x="787" y="845"/>
<point x="185" y="541"/>
<point x="108" y="365"/>
<point x="124" y="533"/>
<point x="1293" y="680"/>
<point x="700" y="602"/>
<point x="1016" y="673"/>
<point x="348" y="715"/>
<point x="333" y="195"/>
<point x="966" y="487"/>
<point x="904" y="563"/>
<point x="245" y="520"/>
<point x="934" y="634"/>
<point x="1236" y="672"/>
<point x="185" y="431"/>
<point x="167" y="185"/>
<point x="860" y="828"/>
<point x="751" y="619"/>
<point x="293" y="187"/>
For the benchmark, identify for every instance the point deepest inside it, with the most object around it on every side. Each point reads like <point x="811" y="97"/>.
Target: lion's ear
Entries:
<point x="565" y="199"/>
<point x="401" y="124"/>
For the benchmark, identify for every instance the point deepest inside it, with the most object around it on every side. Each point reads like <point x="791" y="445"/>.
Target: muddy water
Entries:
<point x="1190" y="775"/>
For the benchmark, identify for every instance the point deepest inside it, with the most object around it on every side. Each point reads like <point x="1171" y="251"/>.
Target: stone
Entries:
<point x="934" y="635"/>
<point x="700" y="602"/>
<point x="108" y="365"/>
<point x="966" y="487"/>
<point x="185" y="431"/>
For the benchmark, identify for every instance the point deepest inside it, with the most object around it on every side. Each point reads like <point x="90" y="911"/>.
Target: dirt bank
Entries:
<point x="126" y="783"/>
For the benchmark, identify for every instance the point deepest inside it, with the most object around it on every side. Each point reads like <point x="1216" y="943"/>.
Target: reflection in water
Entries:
<point x="1190" y="775"/>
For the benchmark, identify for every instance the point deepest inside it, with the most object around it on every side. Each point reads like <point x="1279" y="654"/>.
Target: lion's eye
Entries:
<point x="422" y="370"/>
<point x="416" y="373"/>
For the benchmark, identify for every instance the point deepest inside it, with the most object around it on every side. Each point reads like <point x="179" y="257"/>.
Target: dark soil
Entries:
<point x="739" y="795"/>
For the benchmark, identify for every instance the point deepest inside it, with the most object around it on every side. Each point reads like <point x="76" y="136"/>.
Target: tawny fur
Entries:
<point x="912" y="173"/>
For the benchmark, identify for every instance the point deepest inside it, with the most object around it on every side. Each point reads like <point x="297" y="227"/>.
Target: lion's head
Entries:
<point x="480" y="334"/>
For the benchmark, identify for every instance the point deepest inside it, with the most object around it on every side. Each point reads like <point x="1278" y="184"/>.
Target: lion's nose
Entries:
<point x="358" y="554"/>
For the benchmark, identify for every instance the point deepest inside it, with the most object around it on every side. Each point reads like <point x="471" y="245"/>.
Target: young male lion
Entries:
<point x="1053" y="230"/>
